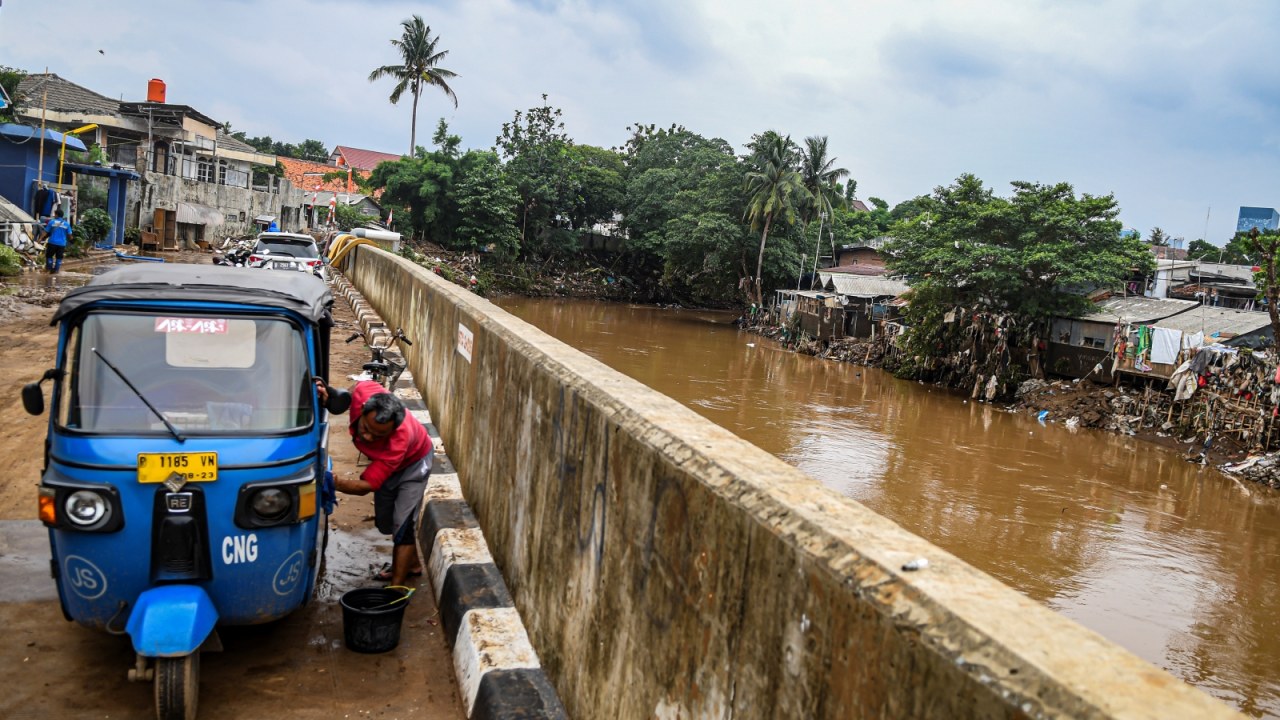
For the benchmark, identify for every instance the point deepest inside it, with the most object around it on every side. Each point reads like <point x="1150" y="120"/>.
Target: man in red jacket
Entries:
<point x="399" y="450"/>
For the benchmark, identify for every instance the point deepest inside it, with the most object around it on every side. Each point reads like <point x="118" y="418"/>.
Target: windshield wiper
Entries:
<point x="176" y="435"/>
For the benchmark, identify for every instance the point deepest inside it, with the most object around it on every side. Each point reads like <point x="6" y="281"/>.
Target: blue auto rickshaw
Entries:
<point x="187" y="480"/>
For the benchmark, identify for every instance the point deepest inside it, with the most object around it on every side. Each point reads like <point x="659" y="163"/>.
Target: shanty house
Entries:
<point x="1076" y="345"/>
<point x="865" y="299"/>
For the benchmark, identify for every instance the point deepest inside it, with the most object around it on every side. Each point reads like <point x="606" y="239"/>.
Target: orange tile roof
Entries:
<point x="296" y="171"/>
<point x="363" y="159"/>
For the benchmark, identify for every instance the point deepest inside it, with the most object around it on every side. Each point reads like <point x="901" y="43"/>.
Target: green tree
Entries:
<point x="908" y="209"/>
<point x="597" y="185"/>
<point x="1158" y="238"/>
<point x="537" y="155"/>
<point x="313" y="150"/>
<point x="349" y="217"/>
<point x="1202" y="250"/>
<point x="419" y="68"/>
<point x="820" y="177"/>
<point x="774" y="190"/>
<point x="422" y="185"/>
<point x="1239" y="250"/>
<point x="487" y="202"/>
<point x="1030" y="255"/>
<point x="10" y="78"/>
<point x="681" y="214"/>
<point x="1266" y="247"/>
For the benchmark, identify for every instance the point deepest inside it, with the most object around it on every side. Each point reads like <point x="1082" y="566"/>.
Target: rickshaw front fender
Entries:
<point x="171" y="620"/>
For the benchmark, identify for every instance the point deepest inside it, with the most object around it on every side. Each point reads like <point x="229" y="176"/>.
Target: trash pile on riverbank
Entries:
<point x="579" y="277"/>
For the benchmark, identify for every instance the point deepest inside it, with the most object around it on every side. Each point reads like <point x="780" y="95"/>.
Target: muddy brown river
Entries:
<point x="1176" y="562"/>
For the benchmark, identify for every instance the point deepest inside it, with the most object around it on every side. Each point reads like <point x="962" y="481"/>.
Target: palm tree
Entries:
<point x="419" y="57"/>
<point x="774" y="190"/>
<point x="819" y="175"/>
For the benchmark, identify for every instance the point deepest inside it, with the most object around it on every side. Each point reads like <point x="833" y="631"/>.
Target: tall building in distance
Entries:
<point x="1257" y="217"/>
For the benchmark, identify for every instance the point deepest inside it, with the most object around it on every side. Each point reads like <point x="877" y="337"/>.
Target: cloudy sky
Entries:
<point x="1172" y="105"/>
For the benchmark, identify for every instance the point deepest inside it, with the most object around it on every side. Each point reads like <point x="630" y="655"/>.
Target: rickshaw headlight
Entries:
<point x="85" y="508"/>
<point x="272" y="503"/>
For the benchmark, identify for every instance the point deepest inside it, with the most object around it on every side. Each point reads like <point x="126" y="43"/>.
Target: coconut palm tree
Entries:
<point x="774" y="190"/>
<point x="419" y="58"/>
<point x="819" y="174"/>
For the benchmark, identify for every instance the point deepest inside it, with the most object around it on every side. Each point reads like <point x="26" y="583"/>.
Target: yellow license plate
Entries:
<point x="195" y="467"/>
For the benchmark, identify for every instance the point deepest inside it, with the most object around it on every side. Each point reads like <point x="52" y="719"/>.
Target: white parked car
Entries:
<point x="287" y="251"/>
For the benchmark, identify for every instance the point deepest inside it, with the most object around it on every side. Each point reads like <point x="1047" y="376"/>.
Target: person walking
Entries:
<point x="400" y="453"/>
<point x="58" y="232"/>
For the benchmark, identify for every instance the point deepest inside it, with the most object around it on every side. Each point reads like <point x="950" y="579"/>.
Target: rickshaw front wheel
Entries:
<point x="177" y="686"/>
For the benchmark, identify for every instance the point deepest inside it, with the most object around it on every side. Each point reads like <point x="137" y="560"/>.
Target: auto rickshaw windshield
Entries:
<point x="204" y="373"/>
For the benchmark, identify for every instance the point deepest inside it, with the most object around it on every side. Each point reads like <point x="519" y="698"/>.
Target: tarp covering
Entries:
<point x="302" y="293"/>
<point x="53" y="139"/>
<point x="199" y="214"/>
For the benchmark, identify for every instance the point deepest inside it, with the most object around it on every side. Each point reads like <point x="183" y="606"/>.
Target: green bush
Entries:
<point x="10" y="261"/>
<point x="93" y="228"/>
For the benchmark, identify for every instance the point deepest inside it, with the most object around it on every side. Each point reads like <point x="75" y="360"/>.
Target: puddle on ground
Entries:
<point x="351" y="560"/>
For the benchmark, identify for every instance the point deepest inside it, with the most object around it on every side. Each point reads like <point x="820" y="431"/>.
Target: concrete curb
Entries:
<point x="499" y="675"/>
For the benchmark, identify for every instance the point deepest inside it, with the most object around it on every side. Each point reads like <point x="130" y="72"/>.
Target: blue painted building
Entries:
<point x="21" y="167"/>
<point x="24" y="168"/>
<point x="1257" y="217"/>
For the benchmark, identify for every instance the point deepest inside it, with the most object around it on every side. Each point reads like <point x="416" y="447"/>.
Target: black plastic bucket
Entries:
<point x="371" y="618"/>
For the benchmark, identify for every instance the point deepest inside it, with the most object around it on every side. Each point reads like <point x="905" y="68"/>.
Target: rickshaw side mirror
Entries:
<point x="33" y="398"/>
<point x="339" y="401"/>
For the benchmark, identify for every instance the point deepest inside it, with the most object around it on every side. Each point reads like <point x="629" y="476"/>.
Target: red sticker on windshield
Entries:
<point x="199" y="326"/>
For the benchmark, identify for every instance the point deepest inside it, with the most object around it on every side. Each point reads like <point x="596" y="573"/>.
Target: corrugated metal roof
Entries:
<point x="1137" y="310"/>
<point x="1227" y="322"/>
<point x="866" y="287"/>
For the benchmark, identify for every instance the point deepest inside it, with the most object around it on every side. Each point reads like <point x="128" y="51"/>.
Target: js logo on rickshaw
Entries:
<point x="288" y="574"/>
<point x="84" y="578"/>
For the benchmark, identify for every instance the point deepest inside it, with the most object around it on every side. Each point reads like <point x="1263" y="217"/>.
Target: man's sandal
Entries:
<point x="384" y="575"/>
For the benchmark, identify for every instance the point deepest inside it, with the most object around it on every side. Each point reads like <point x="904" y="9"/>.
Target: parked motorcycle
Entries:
<point x="234" y="253"/>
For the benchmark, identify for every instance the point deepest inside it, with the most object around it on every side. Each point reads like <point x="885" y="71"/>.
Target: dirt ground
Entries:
<point x="297" y="667"/>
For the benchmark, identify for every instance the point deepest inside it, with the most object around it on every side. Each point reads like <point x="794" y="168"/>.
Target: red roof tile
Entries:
<point x="299" y="172"/>
<point x="362" y="159"/>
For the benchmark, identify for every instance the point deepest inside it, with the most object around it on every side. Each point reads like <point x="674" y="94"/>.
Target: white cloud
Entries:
<point x="1171" y="105"/>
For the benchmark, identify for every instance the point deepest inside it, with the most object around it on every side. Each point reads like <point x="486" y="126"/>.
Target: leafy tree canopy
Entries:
<point x="681" y="209"/>
<point x="10" y="78"/>
<point x="1032" y="254"/>
<point x="538" y="159"/>
<point x="487" y="201"/>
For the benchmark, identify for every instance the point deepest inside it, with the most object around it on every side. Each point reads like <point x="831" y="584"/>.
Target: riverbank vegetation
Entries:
<point x="668" y="214"/>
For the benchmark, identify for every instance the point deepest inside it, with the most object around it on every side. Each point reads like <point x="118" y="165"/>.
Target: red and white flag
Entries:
<point x="390" y="213"/>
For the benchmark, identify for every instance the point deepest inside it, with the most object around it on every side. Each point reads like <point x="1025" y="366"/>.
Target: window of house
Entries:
<point x="1094" y="342"/>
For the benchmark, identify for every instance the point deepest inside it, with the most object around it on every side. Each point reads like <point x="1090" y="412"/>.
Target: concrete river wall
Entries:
<point x="666" y="568"/>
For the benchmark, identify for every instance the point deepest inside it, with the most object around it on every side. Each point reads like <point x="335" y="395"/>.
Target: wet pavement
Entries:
<point x="297" y="667"/>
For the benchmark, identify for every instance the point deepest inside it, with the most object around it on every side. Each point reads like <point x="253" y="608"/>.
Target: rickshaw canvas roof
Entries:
<point x="302" y="293"/>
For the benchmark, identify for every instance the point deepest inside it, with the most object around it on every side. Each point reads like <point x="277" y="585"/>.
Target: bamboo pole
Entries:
<point x="44" y="104"/>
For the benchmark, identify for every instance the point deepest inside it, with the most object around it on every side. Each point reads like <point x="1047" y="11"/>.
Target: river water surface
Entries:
<point x="1174" y="561"/>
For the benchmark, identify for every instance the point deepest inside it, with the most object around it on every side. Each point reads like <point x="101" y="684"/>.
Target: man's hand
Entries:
<point x="351" y="486"/>
<point x="322" y="391"/>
